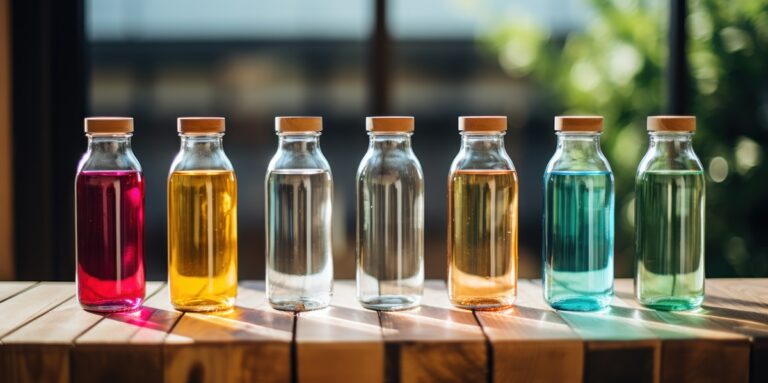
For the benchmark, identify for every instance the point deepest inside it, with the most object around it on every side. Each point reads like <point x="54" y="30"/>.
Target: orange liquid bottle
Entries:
<point x="482" y="219"/>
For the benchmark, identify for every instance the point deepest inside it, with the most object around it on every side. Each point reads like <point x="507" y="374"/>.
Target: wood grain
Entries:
<point x="531" y="343"/>
<point x="20" y="362"/>
<point x="9" y="289"/>
<point x="40" y="350"/>
<point x="694" y="348"/>
<point x="32" y="303"/>
<point x="131" y="343"/>
<point x="340" y="343"/>
<point x="250" y="343"/>
<point x="435" y="342"/>
<point x="45" y="336"/>
<point x="618" y="347"/>
<point x="742" y="306"/>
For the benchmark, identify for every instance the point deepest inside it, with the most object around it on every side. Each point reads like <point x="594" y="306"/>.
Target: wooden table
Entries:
<point x="46" y="337"/>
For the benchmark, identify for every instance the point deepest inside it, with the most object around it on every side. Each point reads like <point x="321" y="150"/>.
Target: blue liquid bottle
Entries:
<point x="578" y="219"/>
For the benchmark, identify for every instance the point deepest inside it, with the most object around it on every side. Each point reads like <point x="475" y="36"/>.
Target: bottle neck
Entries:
<point x="390" y="141"/>
<point x="202" y="143"/>
<point x="485" y="142"/>
<point x="299" y="142"/>
<point x="109" y="144"/>
<point x="584" y="143"/>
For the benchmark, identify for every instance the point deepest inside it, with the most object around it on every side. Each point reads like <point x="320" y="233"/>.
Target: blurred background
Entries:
<point x="249" y="61"/>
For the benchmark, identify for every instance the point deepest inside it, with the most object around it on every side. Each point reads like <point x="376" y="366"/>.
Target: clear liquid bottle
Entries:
<point x="669" y="218"/>
<point x="578" y="219"/>
<point x="482" y="218"/>
<point x="202" y="219"/>
<point x="390" y="218"/>
<point x="109" y="219"/>
<point x="299" y="191"/>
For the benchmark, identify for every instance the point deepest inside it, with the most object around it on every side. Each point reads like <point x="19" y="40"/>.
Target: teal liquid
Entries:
<point x="669" y="247"/>
<point x="578" y="240"/>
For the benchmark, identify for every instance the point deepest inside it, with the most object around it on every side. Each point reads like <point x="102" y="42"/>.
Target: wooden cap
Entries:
<point x="108" y="125"/>
<point x="393" y="124"/>
<point x="671" y="123"/>
<point x="298" y="124"/>
<point x="579" y="123"/>
<point x="483" y="123"/>
<point x="200" y="125"/>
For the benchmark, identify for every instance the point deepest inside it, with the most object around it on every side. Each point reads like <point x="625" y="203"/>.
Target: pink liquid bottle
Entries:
<point x="109" y="219"/>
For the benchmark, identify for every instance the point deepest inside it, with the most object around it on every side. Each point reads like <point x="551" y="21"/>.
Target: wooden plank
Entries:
<point x="32" y="303"/>
<point x="7" y="265"/>
<point x="435" y="342"/>
<point x="531" y="343"/>
<point x="23" y="308"/>
<point x="341" y="343"/>
<point x="9" y="289"/>
<point x="694" y="348"/>
<point x="618" y="346"/>
<point x="250" y="343"/>
<point x="131" y="343"/>
<point x="40" y="350"/>
<point x="742" y="306"/>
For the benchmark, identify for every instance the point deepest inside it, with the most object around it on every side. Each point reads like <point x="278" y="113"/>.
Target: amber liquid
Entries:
<point x="482" y="239"/>
<point x="202" y="240"/>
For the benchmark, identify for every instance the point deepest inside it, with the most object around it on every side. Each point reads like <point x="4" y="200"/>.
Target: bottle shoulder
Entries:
<point x="188" y="161"/>
<point x="290" y="160"/>
<point x="655" y="161"/>
<point x="392" y="163"/>
<point x="482" y="160"/>
<point x="100" y="161"/>
<point x="563" y="161"/>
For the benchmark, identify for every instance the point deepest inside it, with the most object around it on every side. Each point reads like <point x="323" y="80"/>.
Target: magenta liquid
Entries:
<point x="110" y="240"/>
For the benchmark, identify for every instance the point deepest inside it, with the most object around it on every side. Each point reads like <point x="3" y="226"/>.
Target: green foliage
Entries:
<point x="615" y="67"/>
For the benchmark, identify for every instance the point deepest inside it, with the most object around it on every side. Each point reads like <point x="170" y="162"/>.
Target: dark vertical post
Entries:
<point x="48" y="107"/>
<point x="677" y="68"/>
<point x="379" y="64"/>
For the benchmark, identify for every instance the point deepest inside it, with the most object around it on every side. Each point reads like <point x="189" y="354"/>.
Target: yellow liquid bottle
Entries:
<point x="202" y="220"/>
<point x="482" y="218"/>
<point x="202" y="239"/>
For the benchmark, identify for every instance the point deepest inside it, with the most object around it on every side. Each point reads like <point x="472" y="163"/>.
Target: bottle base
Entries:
<point x="580" y="303"/>
<point x="113" y="306"/>
<point x="300" y="304"/>
<point x="484" y="304"/>
<point x="200" y="305"/>
<point x="390" y="302"/>
<point x="672" y="303"/>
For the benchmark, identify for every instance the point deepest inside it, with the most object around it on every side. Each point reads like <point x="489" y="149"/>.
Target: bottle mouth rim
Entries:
<point x="300" y="133"/>
<point x="483" y="133"/>
<point x="108" y="134"/>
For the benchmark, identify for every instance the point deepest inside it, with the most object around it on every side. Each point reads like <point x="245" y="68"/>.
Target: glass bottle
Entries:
<point x="202" y="219"/>
<point x="482" y="218"/>
<point x="390" y="218"/>
<point x="669" y="218"/>
<point x="109" y="217"/>
<point x="578" y="219"/>
<point x="299" y="191"/>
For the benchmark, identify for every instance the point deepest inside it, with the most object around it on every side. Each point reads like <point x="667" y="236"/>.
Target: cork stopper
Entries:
<point x="483" y="123"/>
<point x="298" y="124"/>
<point x="389" y="124"/>
<point x="108" y="125"/>
<point x="200" y="125"/>
<point x="671" y="123"/>
<point x="579" y="124"/>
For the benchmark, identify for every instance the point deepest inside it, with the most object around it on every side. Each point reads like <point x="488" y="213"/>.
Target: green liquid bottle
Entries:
<point x="669" y="218"/>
